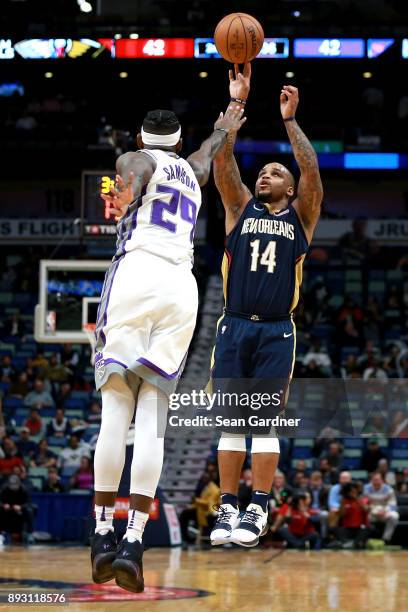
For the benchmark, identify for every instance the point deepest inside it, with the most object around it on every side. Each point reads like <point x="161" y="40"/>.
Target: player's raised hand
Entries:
<point x="232" y="120"/>
<point x="289" y="100"/>
<point x="120" y="196"/>
<point x="240" y="82"/>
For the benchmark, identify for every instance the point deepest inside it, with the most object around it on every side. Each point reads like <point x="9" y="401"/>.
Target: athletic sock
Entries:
<point x="260" y="498"/>
<point x="104" y="519"/>
<point x="229" y="498"/>
<point x="136" y="524"/>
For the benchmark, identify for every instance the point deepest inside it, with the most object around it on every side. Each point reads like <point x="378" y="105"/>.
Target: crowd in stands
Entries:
<point x="50" y="414"/>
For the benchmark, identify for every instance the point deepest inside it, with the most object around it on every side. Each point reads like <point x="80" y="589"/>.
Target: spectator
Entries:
<point x="69" y="357"/>
<point x="44" y="457"/>
<point x="14" y="503"/>
<point x="21" y="472"/>
<point x="382" y="505"/>
<point x="14" y="326"/>
<point x="375" y="371"/>
<point x="334" y="501"/>
<point x="353" y="516"/>
<point x="71" y="456"/>
<point x="318" y="353"/>
<point x="318" y="505"/>
<point x="355" y="245"/>
<point x="25" y="446"/>
<point x="83" y="477"/>
<point x="375" y="425"/>
<point x="387" y="475"/>
<point x="334" y="455"/>
<point x="39" y="363"/>
<point x="11" y="457"/>
<point x="371" y="456"/>
<point x="95" y="414"/>
<point x="7" y="370"/>
<point x="280" y="493"/>
<point x="19" y="386"/>
<point x="34" y="423"/>
<point x="201" y="511"/>
<point x="59" y="426"/>
<point x="300" y="482"/>
<point x="57" y="372"/>
<point x="39" y="397"/>
<point x="53" y="483"/>
<point x="329" y="474"/>
<point x="64" y="393"/>
<point x="299" y="528"/>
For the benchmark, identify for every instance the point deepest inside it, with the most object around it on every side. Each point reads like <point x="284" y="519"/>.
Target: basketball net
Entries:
<point x="89" y="329"/>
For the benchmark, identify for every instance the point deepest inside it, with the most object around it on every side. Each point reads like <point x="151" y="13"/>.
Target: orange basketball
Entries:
<point x="239" y="38"/>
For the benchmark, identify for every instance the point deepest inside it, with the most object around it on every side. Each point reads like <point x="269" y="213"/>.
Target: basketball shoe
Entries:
<point x="128" y="566"/>
<point x="103" y="553"/>
<point x="253" y="524"/>
<point x="228" y="518"/>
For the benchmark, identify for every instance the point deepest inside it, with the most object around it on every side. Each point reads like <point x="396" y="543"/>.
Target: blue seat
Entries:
<point x="13" y="402"/>
<point x="75" y="403"/>
<point x="353" y="443"/>
<point x="399" y="442"/>
<point x="399" y="453"/>
<point x="351" y="463"/>
<point x="56" y="441"/>
<point x="301" y="453"/>
<point x="68" y="471"/>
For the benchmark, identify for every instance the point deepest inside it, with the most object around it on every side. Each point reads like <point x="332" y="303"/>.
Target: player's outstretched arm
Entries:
<point x="310" y="190"/>
<point x="200" y="160"/>
<point x="134" y="171"/>
<point x="234" y="194"/>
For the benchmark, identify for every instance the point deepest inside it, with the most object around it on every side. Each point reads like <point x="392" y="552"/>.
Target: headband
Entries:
<point x="166" y="140"/>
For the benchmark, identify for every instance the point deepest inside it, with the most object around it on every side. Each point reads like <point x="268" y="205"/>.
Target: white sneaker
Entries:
<point x="253" y="524"/>
<point x="228" y="518"/>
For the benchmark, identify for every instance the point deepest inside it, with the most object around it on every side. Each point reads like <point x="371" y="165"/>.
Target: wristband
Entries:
<point x="221" y="130"/>
<point x="290" y="118"/>
<point x="239" y="100"/>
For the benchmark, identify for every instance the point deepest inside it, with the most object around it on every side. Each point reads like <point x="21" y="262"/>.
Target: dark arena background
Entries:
<point x="76" y="79"/>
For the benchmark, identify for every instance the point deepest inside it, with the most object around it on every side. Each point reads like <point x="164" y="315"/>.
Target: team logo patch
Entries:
<point x="90" y="592"/>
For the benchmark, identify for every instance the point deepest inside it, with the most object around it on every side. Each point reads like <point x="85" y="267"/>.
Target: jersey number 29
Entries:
<point x="268" y="257"/>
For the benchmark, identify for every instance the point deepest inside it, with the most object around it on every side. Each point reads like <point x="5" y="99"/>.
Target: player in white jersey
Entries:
<point x="145" y="323"/>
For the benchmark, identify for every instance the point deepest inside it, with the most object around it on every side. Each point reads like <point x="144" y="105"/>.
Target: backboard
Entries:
<point x="68" y="299"/>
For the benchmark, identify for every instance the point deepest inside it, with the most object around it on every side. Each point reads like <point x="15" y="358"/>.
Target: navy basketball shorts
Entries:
<point x="251" y="370"/>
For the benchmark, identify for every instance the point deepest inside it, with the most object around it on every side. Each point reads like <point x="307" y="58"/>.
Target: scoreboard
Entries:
<point x="96" y="221"/>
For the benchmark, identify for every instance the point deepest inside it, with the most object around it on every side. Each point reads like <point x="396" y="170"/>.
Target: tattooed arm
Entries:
<point x="310" y="190"/>
<point x="233" y="192"/>
<point x="200" y="161"/>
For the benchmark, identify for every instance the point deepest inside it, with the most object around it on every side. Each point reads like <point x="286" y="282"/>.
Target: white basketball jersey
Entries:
<point x="162" y="220"/>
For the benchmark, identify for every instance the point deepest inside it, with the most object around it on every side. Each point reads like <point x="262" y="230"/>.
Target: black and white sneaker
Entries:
<point x="128" y="566"/>
<point x="103" y="553"/>
<point x="228" y="518"/>
<point x="253" y="524"/>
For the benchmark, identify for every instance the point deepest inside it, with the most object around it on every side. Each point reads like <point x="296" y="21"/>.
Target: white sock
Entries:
<point x="136" y="524"/>
<point x="104" y="519"/>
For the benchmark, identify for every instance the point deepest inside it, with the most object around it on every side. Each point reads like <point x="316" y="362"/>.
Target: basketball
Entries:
<point x="239" y="38"/>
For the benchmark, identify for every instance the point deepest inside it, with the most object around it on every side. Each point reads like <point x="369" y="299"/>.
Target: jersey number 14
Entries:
<point x="268" y="257"/>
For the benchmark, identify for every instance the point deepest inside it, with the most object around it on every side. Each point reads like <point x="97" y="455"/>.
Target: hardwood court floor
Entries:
<point x="244" y="580"/>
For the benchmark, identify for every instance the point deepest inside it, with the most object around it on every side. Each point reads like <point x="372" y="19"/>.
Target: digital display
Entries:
<point x="127" y="48"/>
<point x="272" y="48"/>
<point x="95" y="217"/>
<point x="377" y="46"/>
<point x="53" y="48"/>
<point x="10" y="89"/>
<point x="405" y="48"/>
<point x="329" y="47"/>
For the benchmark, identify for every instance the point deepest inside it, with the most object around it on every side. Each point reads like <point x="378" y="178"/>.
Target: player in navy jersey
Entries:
<point x="267" y="237"/>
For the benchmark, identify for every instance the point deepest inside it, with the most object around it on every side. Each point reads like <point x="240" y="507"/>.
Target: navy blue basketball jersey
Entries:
<point x="262" y="265"/>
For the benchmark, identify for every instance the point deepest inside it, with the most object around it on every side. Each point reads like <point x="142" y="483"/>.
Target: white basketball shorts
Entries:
<point x="146" y="319"/>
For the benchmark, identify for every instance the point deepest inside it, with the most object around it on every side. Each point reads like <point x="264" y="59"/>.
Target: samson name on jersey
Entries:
<point x="262" y="265"/>
<point x="162" y="220"/>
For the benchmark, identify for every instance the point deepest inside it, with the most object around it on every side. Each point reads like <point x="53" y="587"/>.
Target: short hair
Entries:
<point x="161" y="122"/>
